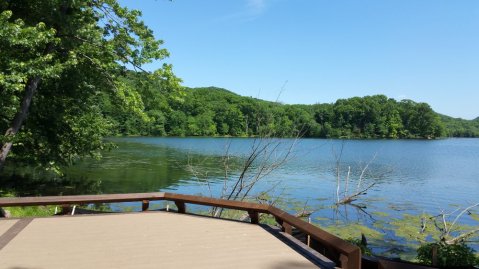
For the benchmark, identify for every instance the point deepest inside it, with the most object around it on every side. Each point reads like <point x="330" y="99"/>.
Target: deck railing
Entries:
<point x="343" y="253"/>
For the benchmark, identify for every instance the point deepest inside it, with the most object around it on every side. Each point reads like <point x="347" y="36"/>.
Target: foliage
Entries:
<point x="455" y="255"/>
<point x="78" y="53"/>
<point x="217" y="112"/>
<point x="425" y="228"/>
<point x="460" y="127"/>
<point x="442" y="232"/>
<point x="31" y="211"/>
<point x="26" y="211"/>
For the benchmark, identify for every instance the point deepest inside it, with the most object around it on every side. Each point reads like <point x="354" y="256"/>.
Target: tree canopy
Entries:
<point x="60" y="61"/>
<point x="217" y="112"/>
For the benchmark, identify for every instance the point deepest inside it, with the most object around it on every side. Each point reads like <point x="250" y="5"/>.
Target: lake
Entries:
<point x="409" y="176"/>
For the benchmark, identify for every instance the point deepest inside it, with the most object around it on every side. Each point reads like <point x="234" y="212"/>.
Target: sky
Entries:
<point x="317" y="51"/>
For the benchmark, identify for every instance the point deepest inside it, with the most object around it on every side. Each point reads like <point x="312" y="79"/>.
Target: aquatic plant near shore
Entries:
<point x="443" y="241"/>
<point x="445" y="255"/>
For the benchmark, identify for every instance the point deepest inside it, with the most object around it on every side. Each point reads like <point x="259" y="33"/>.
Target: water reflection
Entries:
<point x="134" y="167"/>
<point x="28" y="185"/>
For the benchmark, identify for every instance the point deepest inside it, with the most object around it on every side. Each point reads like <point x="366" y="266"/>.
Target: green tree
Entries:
<point x="59" y="60"/>
<point x="177" y="123"/>
<point x="206" y="124"/>
<point x="420" y="120"/>
<point x="157" y="122"/>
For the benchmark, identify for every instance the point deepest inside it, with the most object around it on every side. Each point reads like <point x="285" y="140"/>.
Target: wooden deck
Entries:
<point x="146" y="240"/>
<point x="154" y="239"/>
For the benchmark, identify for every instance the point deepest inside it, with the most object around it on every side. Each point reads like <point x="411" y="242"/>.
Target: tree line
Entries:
<point x="214" y="111"/>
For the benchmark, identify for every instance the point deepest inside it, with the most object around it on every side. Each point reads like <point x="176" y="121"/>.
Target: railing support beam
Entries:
<point x="287" y="228"/>
<point x="181" y="206"/>
<point x="145" y="204"/>
<point x="254" y="216"/>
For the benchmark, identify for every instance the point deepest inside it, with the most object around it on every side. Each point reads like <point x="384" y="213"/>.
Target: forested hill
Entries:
<point x="457" y="127"/>
<point x="218" y="112"/>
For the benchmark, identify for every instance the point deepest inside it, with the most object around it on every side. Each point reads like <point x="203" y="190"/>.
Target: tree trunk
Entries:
<point x="30" y="89"/>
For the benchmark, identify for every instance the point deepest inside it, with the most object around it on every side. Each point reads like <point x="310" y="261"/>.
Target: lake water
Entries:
<point x="410" y="176"/>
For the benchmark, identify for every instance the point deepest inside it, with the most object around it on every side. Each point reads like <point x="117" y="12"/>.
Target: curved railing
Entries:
<point x="343" y="253"/>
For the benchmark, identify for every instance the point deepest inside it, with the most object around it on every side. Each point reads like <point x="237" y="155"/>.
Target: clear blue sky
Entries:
<point x="426" y="50"/>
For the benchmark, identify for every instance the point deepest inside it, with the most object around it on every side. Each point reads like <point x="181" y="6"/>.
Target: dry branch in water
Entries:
<point x="265" y="156"/>
<point x="447" y="228"/>
<point x="346" y="197"/>
<point x="241" y="174"/>
<point x="353" y="197"/>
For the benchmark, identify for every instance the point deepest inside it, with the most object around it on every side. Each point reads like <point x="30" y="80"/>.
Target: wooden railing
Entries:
<point x="343" y="253"/>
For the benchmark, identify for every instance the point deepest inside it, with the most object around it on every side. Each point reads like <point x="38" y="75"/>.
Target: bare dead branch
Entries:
<point x="350" y="198"/>
<point x="364" y="170"/>
<point x="462" y="237"/>
<point x="462" y="213"/>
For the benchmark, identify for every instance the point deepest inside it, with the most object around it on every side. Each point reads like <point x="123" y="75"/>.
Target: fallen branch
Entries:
<point x="461" y="238"/>
<point x="353" y="197"/>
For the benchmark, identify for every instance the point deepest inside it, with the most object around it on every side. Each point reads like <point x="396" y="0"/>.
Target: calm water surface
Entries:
<point x="411" y="176"/>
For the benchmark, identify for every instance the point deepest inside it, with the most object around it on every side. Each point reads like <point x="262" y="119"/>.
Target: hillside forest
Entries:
<point x="214" y="111"/>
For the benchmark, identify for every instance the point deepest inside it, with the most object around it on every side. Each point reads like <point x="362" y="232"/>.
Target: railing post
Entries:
<point x="279" y="221"/>
<point x="285" y="227"/>
<point x="144" y="205"/>
<point x="66" y="209"/>
<point x="434" y="255"/>
<point x="181" y="206"/>
<point x="343" y="260"/>
<point x="254" y="216"/>
<point x="351" y="261"/>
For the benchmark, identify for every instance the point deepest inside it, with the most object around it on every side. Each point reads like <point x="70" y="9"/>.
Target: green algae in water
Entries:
<point x="353" y="230"/>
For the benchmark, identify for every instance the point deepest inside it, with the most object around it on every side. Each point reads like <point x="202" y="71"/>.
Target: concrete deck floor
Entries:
<point x="144" y="240"/>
